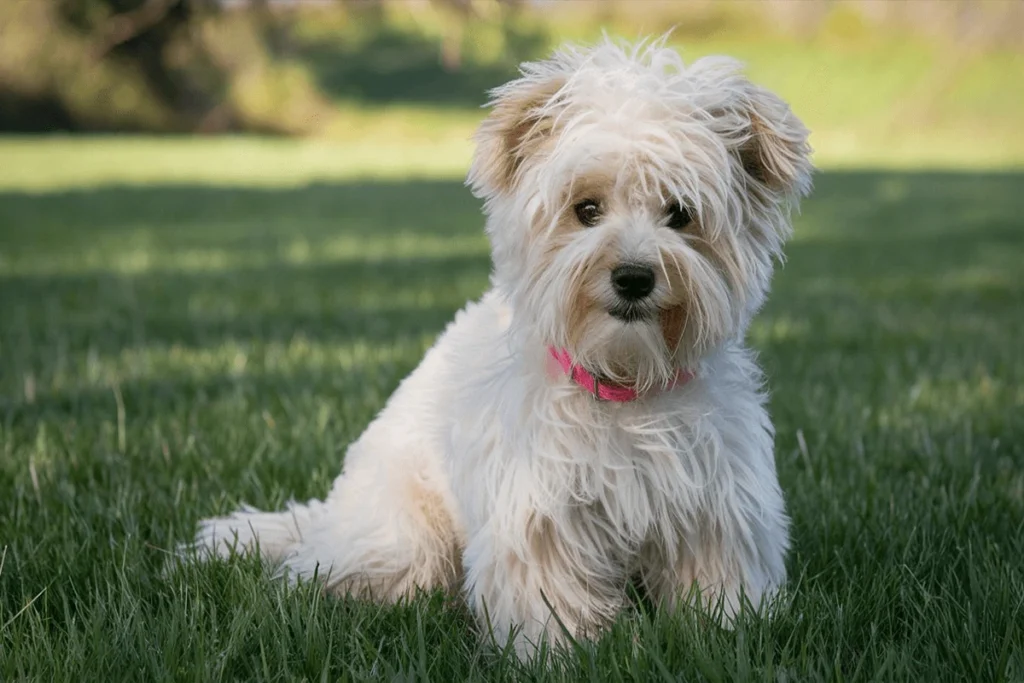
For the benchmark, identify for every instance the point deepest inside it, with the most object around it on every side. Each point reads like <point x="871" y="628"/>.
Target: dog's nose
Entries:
<point x="633" y="282"/>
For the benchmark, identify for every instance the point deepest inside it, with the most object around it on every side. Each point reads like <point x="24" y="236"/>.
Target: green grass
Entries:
<point x="190" y="324"/>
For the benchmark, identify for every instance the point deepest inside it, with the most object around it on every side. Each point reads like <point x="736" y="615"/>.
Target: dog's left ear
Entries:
<point x="514" y="131"/>
<point x="768" y="140"/>
<point x="772" y="146"/>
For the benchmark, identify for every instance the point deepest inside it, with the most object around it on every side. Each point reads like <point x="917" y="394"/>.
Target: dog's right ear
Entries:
<point x="520" y="121"/>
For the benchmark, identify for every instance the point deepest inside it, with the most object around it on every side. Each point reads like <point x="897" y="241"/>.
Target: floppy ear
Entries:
<point x="514" y="131"/>
<point x="773" y="148"/>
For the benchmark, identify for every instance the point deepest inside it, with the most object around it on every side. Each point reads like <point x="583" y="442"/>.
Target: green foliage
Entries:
<point x="115" y="66"/>
<point x="172" y="346"/>
<point x="49" y="78"/>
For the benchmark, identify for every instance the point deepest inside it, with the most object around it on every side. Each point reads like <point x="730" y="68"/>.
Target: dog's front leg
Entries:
<point x="723" y="564"/>
<point x="517" y="574"/>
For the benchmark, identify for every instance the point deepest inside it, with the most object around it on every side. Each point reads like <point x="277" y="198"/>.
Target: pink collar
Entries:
<point x="604" y="391"/>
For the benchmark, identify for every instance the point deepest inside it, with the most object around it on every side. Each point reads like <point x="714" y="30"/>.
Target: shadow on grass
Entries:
<point x="194" y="217"/>
<point x="883" y="264"/>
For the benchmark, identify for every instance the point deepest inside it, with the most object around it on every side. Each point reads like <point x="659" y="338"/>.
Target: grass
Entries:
<point x="190" y="324"/>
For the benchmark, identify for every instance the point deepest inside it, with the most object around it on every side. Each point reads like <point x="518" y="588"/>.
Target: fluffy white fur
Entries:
<point x="486" y="471"/>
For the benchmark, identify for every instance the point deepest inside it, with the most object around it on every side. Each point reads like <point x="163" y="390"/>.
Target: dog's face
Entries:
<point x="635" y="204"/>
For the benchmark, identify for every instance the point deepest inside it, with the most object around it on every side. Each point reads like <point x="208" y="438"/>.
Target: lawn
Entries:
<point x="191" y="324"/>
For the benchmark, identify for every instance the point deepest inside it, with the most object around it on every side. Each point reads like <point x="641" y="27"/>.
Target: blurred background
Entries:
<point x="917" y="80"/>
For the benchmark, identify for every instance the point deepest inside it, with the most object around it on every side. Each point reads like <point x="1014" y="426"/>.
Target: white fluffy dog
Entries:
<point x="595" y="417"/>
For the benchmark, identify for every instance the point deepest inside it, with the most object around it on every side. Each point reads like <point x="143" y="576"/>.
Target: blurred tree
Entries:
<point x="459" y="14"/>
<point x="166" y="65"/>
<point x="51" y="77"/>
<point x="149" y="34"/>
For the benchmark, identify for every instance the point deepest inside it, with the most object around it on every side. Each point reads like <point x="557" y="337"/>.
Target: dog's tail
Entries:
<point x="274" y="535"/>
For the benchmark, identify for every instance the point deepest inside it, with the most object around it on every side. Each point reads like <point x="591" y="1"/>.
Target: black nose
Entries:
<point x="633" y="282"/>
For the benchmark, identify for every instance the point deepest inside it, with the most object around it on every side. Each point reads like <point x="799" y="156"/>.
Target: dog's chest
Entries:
<point x="636" y="485"/>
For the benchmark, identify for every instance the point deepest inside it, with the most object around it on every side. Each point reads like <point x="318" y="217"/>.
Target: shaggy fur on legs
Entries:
<point x="491" y="471"/>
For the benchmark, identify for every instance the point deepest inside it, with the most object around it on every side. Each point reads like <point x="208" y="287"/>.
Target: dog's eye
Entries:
<point x="678" y="216"/>
<point x="587" y="212"/>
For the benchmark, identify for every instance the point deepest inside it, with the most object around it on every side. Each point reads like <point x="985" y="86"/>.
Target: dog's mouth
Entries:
<point x="631" y="313"/>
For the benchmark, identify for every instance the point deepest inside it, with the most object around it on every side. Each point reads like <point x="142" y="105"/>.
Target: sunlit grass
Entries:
<point x="65" y="162"/>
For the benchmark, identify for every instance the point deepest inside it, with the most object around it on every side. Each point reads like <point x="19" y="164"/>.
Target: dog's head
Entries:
<point x="635" y="203"/>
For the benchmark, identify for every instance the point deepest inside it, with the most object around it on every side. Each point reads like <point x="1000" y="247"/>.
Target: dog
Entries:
<point x="595" y="418"/>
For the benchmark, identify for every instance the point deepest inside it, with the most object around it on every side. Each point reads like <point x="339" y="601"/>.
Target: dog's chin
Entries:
<point x="631" y="313"/>
<point x="624" y="345"/>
